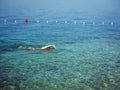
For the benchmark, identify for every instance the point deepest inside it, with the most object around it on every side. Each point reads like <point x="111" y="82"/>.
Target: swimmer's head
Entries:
<point x="47" y="47"/>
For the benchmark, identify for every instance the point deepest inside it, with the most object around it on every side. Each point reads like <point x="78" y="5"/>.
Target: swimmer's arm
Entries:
<point x="44" y="47"/>
<point x="48" y="47"/>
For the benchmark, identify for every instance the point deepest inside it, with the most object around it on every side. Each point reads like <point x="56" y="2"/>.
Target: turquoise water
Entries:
<point x="87" y="56"/>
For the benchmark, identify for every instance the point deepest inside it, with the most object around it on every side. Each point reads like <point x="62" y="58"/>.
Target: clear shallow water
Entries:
<point x="87" y="56"/>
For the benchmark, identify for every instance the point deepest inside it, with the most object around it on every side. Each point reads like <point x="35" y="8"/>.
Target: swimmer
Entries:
<point x="47" y="47"/>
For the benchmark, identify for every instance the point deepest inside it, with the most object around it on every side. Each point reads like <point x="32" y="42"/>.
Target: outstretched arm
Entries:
<point x="47" y="47"/>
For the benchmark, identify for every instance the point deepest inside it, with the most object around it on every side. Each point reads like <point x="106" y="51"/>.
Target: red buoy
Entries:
<point x="26" y="20"/>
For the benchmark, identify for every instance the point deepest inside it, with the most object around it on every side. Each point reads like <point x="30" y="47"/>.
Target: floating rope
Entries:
<point x="65" y="22"/>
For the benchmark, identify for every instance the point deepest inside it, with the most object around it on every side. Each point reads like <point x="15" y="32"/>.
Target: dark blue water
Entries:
<point x="87" y="56"/>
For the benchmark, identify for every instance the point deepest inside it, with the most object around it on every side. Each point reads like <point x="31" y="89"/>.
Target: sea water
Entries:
<point x="87" y="56"/>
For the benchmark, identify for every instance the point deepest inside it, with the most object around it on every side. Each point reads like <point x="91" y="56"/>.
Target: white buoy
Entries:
<point x="56" y="21"/>
<point x="15" y="21"/>
<point x="111" y="23"/>
<point x="47" y="21"/>
<point x="93" y="23"/>
<point x="5" y="21"/>
<point x="74" y="22"/>
<point x="103" y="23"/>
<point x="37" y="21"/>
<point x="83" y="22"/>
<point x="65" y="21"/>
